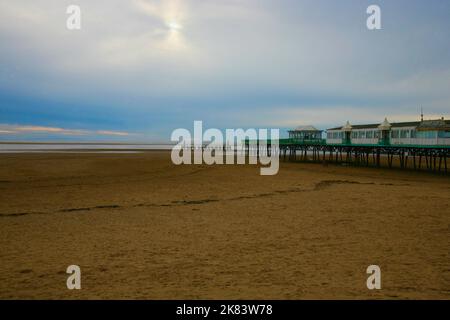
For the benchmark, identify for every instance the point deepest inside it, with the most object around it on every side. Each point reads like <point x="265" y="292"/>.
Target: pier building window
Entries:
<point x="369" y="134"/>
<point x="404" y="134"/>
<point x="444" y="134"/>
<point x="427" y="134"/>
<point x="394" y="134"/>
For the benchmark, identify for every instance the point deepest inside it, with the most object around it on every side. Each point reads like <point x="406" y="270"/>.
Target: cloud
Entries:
<point x="326" y="116"/>
<point x="162" y="64"/>
<point x="18" y="129"/>
<point x="112" y="133"/>
<point x="37" y="129"/>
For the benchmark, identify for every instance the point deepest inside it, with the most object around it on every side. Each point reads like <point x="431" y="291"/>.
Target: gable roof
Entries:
<point x="439" y="124"/>
<point x="375" y="125"/>
<point x="306" y="128"/>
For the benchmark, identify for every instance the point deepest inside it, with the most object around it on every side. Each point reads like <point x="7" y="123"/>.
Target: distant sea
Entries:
<point x="80" y="147"/>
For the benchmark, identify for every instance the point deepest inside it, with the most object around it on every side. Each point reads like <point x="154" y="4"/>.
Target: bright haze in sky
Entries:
<point x="138" y="69"/>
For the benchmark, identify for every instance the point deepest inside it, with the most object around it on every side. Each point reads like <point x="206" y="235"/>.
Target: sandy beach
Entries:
<point x="142" y="228"/>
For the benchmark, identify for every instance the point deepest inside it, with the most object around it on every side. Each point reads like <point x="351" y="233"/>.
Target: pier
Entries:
<point x="429" y="158"/>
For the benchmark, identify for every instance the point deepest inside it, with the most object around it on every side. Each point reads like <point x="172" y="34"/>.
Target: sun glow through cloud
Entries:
<point x="174" y="26"/>
<point x="171" y="14"/>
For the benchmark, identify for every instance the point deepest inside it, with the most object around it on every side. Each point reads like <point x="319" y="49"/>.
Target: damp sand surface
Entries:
<point x="142" y="228"/>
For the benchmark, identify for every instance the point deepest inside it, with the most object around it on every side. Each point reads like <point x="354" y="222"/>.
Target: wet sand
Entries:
<point x="140" y="227"/>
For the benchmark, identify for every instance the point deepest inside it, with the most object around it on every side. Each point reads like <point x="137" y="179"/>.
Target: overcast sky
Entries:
<point x="138" y="69"/>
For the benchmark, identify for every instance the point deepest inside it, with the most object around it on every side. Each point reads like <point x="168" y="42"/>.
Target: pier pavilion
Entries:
<point x="416" y="145"/>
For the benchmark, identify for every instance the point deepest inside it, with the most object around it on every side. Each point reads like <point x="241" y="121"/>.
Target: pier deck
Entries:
<point x="417" y="157"/>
